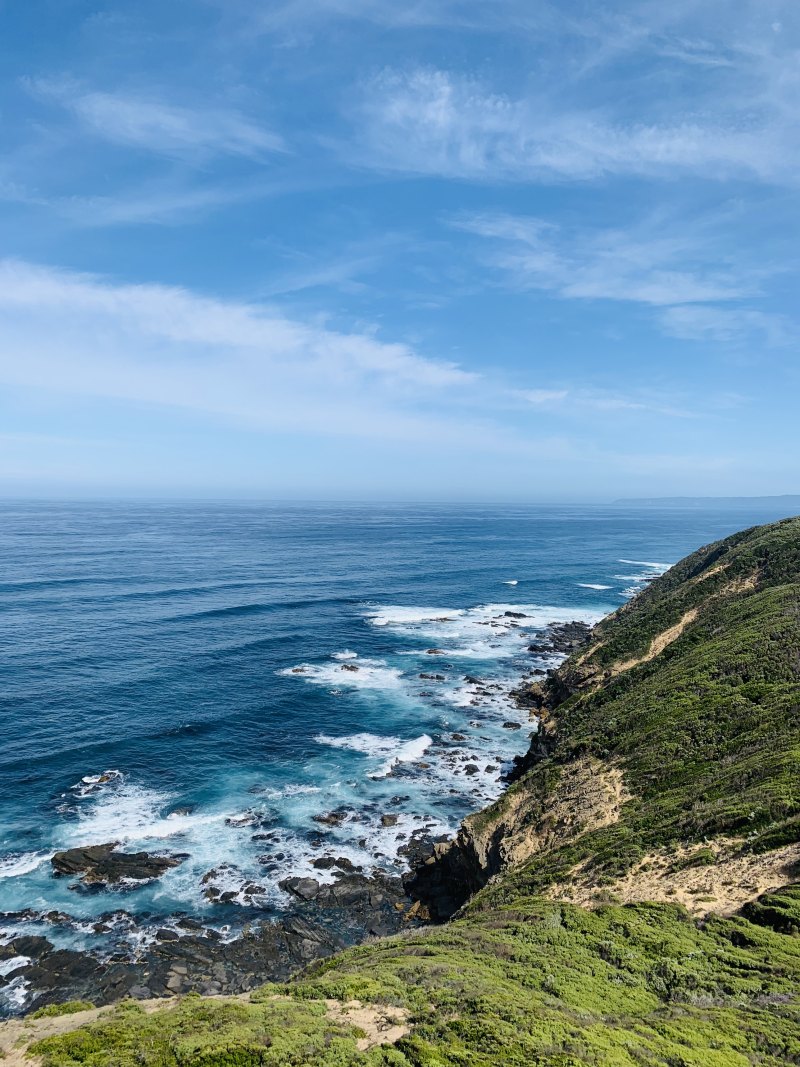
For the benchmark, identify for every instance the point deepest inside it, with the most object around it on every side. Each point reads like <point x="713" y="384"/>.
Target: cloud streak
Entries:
<point x="142" y="121"/>
<point x="697" y="292"/>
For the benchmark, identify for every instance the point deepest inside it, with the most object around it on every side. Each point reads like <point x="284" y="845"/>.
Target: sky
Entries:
<point x="436" y="250"/>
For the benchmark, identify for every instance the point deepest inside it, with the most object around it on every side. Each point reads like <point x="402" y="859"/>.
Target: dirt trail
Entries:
<point x="659" y="643"/>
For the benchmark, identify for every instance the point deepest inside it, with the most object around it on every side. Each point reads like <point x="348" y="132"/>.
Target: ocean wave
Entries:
<point x="15" y="993"/>
<point x="392" y="750"/>
<point x="131" y="812"/>
<point x="22" y="863"/>
<point x="593" y="585"/>
<point x="368" y="674"/>
<point x="644" y="563"/>
<point x="393" y="615"/>
<point x="13" y="964"/>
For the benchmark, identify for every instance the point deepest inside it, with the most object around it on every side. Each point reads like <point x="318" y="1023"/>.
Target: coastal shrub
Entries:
<point x="69" y="1007"/>
<point x="211" y="1032"/>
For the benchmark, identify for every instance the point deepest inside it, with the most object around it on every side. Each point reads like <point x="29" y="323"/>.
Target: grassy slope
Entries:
<point x="708" y="736"/>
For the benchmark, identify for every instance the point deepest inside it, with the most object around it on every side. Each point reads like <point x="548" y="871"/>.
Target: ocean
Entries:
<point x="208" y="680"/>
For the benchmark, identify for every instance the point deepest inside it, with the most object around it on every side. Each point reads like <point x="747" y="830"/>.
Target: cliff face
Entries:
<point x="630" y="901"/>
<point x="678" y="724"/>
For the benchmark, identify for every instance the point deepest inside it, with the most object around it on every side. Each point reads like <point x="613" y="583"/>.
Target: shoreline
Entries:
<point x="342" y="907"/>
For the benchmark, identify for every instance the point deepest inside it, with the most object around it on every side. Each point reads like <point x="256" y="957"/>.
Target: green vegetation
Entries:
<point x="69" y="1007"/>
<point x="201" y="1031"/>
<point x="707" y="734"/>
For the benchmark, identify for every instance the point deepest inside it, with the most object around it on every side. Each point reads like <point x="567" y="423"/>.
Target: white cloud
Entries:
<point x="426" y="121"/>
<point x="142" y="121"/>
<point x="544" y="397"/>
<point x="82" y="335"/>
<point x="729" y="325"/>
<point x="655" y="263"/>
<point x="581" y="400"/>
<point x="675" y="267"/>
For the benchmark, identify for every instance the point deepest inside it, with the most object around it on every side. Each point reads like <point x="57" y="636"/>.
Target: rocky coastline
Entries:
<point x="323" y="917"/>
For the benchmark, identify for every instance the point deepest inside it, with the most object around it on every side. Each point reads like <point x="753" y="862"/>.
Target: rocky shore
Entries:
<point x="344" y="906"/>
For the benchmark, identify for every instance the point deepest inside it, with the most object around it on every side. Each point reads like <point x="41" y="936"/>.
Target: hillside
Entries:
<point x="628" y="901"/>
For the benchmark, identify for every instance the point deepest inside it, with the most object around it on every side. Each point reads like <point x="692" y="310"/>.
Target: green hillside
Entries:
<point x="632" y="899"/>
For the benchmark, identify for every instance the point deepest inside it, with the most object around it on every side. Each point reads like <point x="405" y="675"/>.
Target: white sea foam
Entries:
<point x="409" y="752"/>
<point x="368" y="674"/>
<point x="592" y="585"/>
<point x="131" y="812"/>
<point x="643" y="563"/>
<point x="511" y="581"/>
<point x="345" y="654"/>
<point x="13" y="964"/>
<point x="22" y="863"/>
<point x="15" y="993"/>
<point x="392" y="615"/>
<point x="292" y="790"/>
<point x="392" y="750"/>
<point x="93" y="783"/>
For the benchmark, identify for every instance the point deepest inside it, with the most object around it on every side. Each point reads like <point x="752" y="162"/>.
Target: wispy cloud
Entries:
<point x="730" y="325"/>
<point x="648" y="264"/>
<point x="581" y="400"/>
<point x="143" y="121"/>
<point x="700" y="292"/>
<point x="428" y="121"/>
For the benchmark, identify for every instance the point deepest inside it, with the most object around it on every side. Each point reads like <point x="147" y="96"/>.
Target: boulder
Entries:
<point x="302" y="888"/>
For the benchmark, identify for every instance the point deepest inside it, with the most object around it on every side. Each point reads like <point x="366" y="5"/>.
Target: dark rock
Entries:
<point x="165" y="934"/>
<point x="471" y="768"/>
<point x="389" y="820"/>
<point x="348" y="667"/>
<point x="515" y="615"/>
<point x="332" y="818"/>
<point x="101" y="865"/>
<point x="26" y="945"/>
<point x="435" y="651"/>
<point x="324" y="863"/>
<point x="188" y="923"/>
<point x="304" y="888"/>
<point x="512" y="725"/>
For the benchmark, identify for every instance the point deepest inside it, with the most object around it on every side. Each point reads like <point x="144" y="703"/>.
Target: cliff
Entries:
<point x="630" y="900"/>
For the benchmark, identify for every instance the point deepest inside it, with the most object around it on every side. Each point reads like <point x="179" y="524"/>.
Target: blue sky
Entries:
<point x="431" y="250"/>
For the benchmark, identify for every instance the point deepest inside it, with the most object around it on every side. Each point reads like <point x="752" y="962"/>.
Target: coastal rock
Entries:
<point x="332" y="818"/>
<point x="389" y="820"/>
<point x="303" y="888"/>
<point x="102" y="865"/>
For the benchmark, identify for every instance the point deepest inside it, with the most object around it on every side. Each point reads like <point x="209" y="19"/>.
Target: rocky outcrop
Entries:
<point x="103" y="865"/>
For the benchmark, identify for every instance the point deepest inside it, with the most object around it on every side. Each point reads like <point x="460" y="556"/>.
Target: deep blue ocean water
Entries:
<point x="202" y="655"/>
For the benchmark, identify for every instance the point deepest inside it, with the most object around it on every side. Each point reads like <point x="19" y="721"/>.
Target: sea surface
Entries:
<point x="180" y="679"/>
